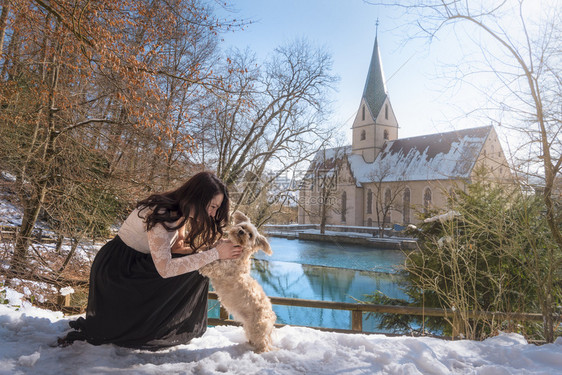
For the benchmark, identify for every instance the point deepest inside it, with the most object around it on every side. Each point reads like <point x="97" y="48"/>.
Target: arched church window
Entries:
<point x="363" y="113"/>
<point x="385" y="134"/>
<point x="426" y="200"/>
<point x="386" y="111"/>
<point x="406" y="206"/>
<point x="369" y="222"/>
<point x="363" y="135"/>
<point x="343" y="205"/>
<point x="369" y="201"/>
<point x="387" y="202"/>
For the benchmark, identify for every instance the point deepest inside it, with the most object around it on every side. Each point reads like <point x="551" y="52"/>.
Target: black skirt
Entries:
<point x="131" y="305"/>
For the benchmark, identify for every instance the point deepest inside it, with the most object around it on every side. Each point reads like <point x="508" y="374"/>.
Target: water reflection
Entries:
<point x="333" y="254"/>
<point x="318" y="279"/>
<point x="329" y="284"/>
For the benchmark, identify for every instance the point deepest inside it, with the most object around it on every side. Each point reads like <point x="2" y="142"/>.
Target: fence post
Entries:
<point x="223" y="315"/>
<point x="357" y="320"/>
<point x="456" y="325"/>
<point x="63" y="300"/>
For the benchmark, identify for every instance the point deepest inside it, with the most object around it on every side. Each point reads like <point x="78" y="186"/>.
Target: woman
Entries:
<point x="145" y="291"/>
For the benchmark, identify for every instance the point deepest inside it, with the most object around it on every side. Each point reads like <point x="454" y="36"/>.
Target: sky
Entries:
<point x="347" y="29"/>
<point x="28" y="334"/>
<point x="423" y="99"/>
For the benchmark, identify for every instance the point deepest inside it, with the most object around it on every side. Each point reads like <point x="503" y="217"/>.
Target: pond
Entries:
<point x="325" y="271"/>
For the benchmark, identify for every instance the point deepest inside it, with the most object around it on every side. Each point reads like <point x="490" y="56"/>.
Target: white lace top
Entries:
<point x="158" y="243"/>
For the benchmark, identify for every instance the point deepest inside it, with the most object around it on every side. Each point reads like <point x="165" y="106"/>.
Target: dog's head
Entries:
<point x="245" y="234"/>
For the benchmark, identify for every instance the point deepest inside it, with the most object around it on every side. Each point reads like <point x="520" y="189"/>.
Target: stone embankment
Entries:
<point x="364" y="236"/>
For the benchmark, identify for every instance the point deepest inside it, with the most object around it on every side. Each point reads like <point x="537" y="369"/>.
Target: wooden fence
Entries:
<point x="8" y="232"/>
<point x="357" y="310"/>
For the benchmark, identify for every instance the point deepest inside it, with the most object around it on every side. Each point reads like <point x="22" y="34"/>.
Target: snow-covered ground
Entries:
<point x="28" y="333"/>
<point x="27" y="336"/>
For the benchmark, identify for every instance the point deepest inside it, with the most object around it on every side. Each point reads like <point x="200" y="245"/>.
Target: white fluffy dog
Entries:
<point x="238" y="292"/>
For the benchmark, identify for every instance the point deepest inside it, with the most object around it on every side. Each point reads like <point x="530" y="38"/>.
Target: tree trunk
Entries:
<point x="548" y="312"/>
<point x="75" y="242"/>
<point x="323" y="210"/>
<point x="23" y="238"/>
<point x="33" y="206"/>
<point x="3" y="22"/>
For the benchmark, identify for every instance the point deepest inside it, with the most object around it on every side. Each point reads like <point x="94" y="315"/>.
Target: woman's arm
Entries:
<point x="159" y="241"/>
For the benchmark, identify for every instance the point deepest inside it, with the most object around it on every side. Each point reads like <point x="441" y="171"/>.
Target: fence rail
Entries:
<point x="8" y="232"/>
<point x="357" y="310"/>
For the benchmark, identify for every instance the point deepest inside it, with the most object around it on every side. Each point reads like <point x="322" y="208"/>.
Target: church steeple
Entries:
<point x="375" y="92"/>
<point x="375" y="122"/>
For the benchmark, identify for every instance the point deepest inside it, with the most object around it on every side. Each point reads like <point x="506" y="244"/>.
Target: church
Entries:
<point x="381" y="180"/>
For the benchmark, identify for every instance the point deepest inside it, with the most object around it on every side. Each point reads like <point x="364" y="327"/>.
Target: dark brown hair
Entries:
<point x="192" y="197"/>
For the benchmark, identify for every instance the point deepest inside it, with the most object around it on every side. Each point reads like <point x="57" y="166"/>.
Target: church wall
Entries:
<point x="311" y="199"/>
<point x="493" y="159"/>
<point x="440" y="190"/>
<point x="356" y="207"/>
<point x="363" y="135"/>
<point x="302" y="217"/>
<point x="346" y="183"/>
<point x="364" y="116"/>
<point x="359" y="212"/>
<point x="386" y="123"/>
<point x="386" y="115"/>
<point x="368" y="135"/>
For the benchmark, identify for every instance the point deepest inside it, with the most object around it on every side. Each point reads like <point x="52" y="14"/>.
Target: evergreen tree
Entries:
<point x="488" y="253"/>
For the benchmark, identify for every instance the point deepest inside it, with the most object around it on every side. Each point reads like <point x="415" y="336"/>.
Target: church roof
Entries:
<point x="440" y="156"/>
<point x="327" y="160"/>
<point x="375" y="88"/>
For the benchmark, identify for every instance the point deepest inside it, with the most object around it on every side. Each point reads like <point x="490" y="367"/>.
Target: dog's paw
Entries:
<point x="262" y="347"/>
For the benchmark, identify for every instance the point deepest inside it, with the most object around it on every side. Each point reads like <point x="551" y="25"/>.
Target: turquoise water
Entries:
<point x="331" y="254"/>
<point x="328" y="272"/>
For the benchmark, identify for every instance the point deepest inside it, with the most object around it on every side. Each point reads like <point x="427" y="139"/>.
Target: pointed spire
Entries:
<point x="375" y="88"/>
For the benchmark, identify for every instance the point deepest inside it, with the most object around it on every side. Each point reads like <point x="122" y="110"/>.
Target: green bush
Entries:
<point x="492" y="252"/>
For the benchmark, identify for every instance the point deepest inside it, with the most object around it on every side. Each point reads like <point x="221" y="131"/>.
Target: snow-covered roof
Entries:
<point x="440" y="156"/>
<point x="450" y="155"/>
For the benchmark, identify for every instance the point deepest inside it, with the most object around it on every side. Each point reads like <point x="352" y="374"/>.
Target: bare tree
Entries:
<point x="386" y="193"/>
<point x="270" y="121"/>
<point x="321" y="195"/>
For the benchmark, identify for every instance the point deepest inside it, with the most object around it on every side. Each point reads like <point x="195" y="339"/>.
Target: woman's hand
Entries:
<point x="228" y="250"/>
